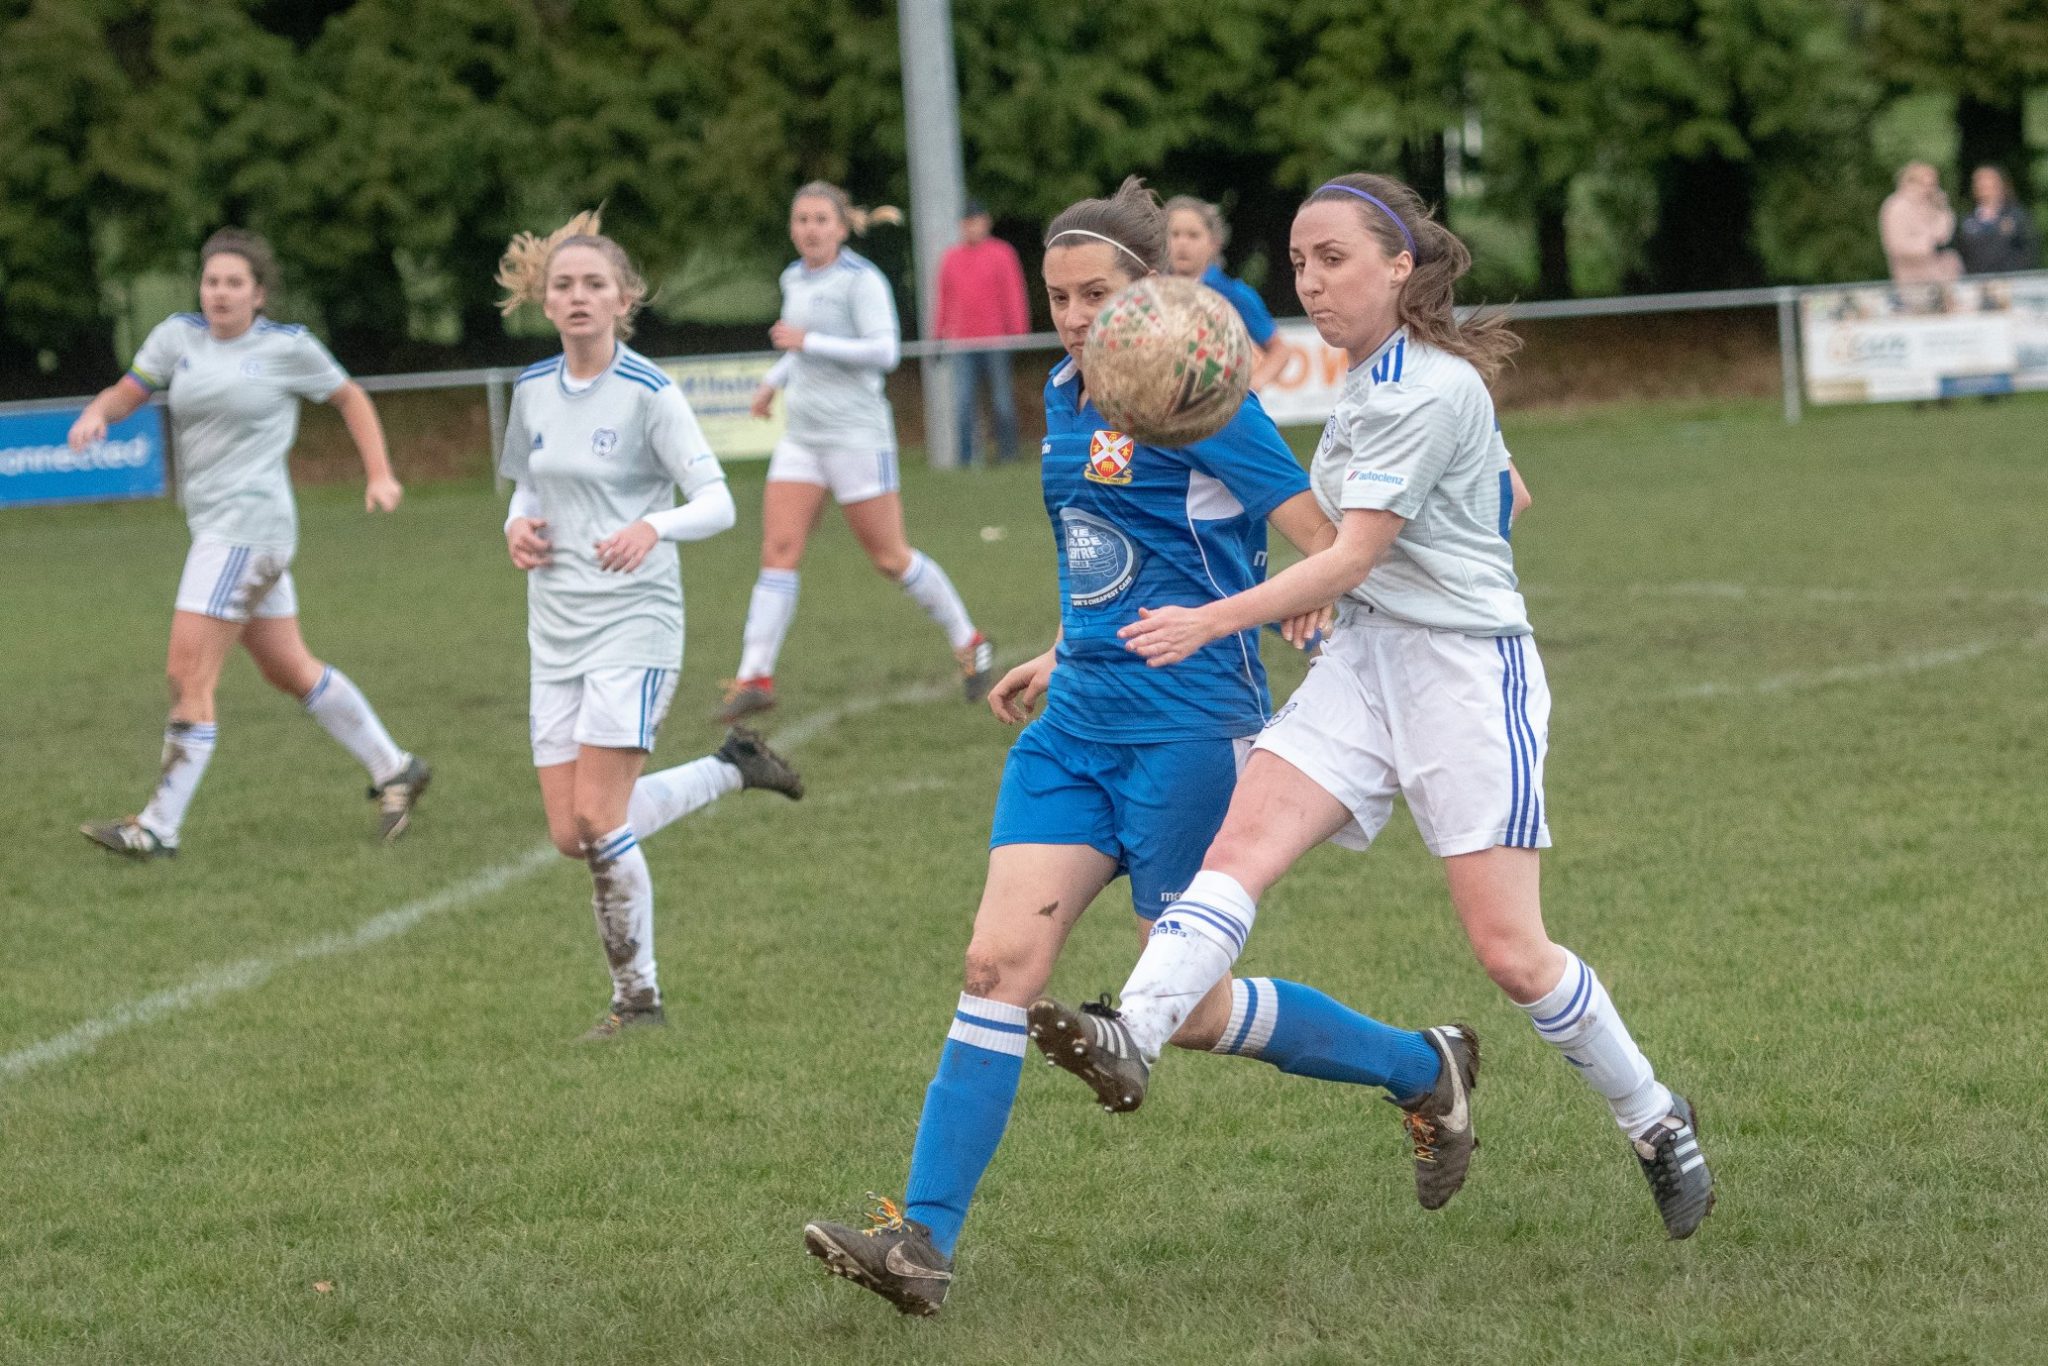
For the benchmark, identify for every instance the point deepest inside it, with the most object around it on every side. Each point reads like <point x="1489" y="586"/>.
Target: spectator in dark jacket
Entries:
<point x="1997" y="235"/>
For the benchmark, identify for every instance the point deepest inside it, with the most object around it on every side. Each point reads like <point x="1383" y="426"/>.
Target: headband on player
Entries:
<point x="1083" y="232"/>
<point x="1381" y="205"/>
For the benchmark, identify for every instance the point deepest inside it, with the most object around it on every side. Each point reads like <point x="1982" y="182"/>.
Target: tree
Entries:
<point x="1988" y="53"/>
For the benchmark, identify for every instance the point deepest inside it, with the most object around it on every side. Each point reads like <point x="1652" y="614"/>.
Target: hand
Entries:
<point x="89" y="428"/>
<point x="786" y="337"/>
<point x="1307" y="631"/>
<point x="1016" y="697"/>
<point x="764" y="401"/>
<point x="1167" y="635"/>
<point x="527" y="540"/>
<point x="382" y="495"/>
<point x="622" y="551"/>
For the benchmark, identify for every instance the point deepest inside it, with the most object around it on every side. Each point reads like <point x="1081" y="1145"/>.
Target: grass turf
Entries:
<point x="1794" y="778"/>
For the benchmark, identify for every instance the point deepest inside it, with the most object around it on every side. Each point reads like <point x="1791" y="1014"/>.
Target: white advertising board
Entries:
<point x="1881" y="343"/>
<point x="720" y="393"/>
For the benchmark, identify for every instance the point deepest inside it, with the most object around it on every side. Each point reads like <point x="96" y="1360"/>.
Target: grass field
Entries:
<point x="298" y="1098"/>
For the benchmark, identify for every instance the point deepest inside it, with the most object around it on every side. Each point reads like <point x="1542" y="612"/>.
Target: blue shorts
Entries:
<point x="1153" y="808"/>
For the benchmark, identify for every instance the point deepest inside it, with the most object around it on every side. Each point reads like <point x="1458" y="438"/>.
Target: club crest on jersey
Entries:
<point x="252" y="369"/>
<point x="603" y="441"/>
<point x="1109" y="458"/>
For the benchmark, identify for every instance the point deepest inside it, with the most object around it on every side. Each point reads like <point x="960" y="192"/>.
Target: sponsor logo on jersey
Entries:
<point x="603" y="441"/>
<point x="1279" y="716"/>
<point x="1101" y="560"/>
<point x="1109" y="458"/>
<point x="1376" y="477"/>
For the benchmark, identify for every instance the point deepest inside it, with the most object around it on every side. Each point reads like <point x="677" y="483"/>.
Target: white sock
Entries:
<point x="1193" y="944"/>
<point x="769" y="613"/>
<point x="929" y="587"/>
<point x="661" y="799"/>
<point x="188" y="746"/>
<point x="342" y="710"/>
<point x="1577" y="1018"/>
<point x="622" y="898"/>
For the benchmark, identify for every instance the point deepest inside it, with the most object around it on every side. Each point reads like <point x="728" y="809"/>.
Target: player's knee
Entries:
<point x="1240" y="853"/>
<point x="1515" y="962"/>
<point x="984" y="971"/>
<point x="589" y="831"/>
<point x="782" y="552"/>
<point x="890" y="564"/>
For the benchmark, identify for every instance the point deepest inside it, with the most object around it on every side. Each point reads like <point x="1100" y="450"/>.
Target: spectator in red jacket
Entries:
<point x="981" y="295"/>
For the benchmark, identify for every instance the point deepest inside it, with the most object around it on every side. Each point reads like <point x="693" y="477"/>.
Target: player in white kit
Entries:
<point x="839" y="337"/>
<point x="1430" y="686"/>
<point x="597" y="441"/>
<point x="233" y="380"/>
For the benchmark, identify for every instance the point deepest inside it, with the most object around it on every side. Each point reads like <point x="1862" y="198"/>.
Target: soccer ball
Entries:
<point x="1168" y="361"/>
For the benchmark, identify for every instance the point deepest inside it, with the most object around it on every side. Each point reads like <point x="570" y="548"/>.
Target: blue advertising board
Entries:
<point x="38" y="467"/>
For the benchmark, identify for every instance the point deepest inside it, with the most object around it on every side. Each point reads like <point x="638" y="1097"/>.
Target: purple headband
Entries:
<point x="1381" y="205"/>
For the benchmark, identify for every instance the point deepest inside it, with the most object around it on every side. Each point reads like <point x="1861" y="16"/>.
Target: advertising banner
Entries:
<point x="1883" y="343"/>
<point x="1303" y="392"/>
<point x="720" y="392"/>
<point x="38" y="468"/>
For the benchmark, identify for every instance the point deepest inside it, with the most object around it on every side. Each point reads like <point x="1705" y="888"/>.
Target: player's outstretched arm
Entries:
<point x="111" y="404"/>
<point x="1167" y="635"/>
<point x="382" y="491"/>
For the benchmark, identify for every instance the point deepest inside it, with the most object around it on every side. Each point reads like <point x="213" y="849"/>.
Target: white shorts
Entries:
<point x="236" y="582"/>
<point x="853" y="473"/>
<point x="1457" y="724"/>
<point x="606" y="709"/>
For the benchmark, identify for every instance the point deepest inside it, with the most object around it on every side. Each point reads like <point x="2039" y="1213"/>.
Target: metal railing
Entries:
<point x="496" y="381"/>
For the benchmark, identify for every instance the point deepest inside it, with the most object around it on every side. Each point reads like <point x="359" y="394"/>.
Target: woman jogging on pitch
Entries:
<point x="1430" y="686"/>
<point x="233" y="380"/>
<point x="838" y="336"/>
<point x="1129" y="770"/>
<point x="597" y="442"/>
<point x="1195" y="237"/>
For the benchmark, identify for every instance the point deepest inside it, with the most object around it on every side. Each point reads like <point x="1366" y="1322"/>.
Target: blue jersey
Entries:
<point x="1142" y="526"/>
<point x="1258" y="319"/>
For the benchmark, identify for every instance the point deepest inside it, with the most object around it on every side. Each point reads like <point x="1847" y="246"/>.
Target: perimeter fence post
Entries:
<point x="494" y="403"/>
<point x="1788" y="350"/>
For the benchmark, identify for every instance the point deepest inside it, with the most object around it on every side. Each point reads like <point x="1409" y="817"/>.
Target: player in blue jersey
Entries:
<point x="597" y="442"/>
<point x="1130" y="769"/>
<point x="1430" y="687"/>
<point x="1195" y="238"/>
<point x="233" y="381"/>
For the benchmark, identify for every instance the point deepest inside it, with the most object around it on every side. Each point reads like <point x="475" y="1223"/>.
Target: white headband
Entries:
<point x="1083" y="232"/>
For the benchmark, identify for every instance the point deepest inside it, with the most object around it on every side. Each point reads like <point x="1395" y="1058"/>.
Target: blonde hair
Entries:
<point x="523" y="269"/>
<point x="1211" y="216"/>
<point x="1399" y="221"/>
<point x="856" y="219"/>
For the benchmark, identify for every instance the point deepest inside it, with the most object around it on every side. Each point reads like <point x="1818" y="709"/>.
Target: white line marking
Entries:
<point x="250" y="973"/>
<point x="1847" y="673"/>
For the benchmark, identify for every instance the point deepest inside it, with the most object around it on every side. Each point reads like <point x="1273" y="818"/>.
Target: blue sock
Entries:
<point x="966" y="1109"/>
<point x="1301" y="1031"/>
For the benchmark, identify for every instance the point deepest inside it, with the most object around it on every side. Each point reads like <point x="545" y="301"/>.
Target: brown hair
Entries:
<point x="523" y="269"/>
<point x="1131" y="219"/>
<point x="251" y="247"/>
<point x="1425" y="305"/>
<point x="856" y="219"/>
<point x="1211" y="216"/>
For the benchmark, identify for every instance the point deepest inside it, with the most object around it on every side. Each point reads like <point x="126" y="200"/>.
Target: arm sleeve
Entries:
<point x="512" y="456"/>
<point x="1249" y="458"/>
<point x="1258" y="319"/>
<point x="159" y="355"/>
<point x="709" y="511"/>
<point x="1401" y="444"/>
<point x="778" y="373"/>
<point x="879" y="352"/>
<point x="525" y="503"/>
<point x="679" y="444"/>
<point x="311" y="372"/>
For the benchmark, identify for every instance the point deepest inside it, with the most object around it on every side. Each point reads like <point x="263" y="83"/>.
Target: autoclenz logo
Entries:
<point x="132" y="453"/>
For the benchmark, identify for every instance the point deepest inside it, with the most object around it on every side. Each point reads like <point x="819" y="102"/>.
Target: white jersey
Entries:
<point x="600" y="458"/>
<point x="832" y="403"/>
<point x="234" y="415"/>
<point x="1414" y="434"/>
